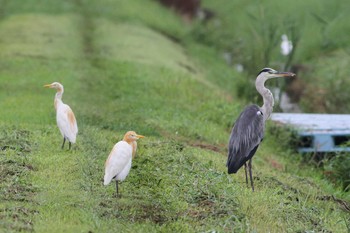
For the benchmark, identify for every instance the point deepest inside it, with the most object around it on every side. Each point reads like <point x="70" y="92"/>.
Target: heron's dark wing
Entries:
<point x="245" y="138"/>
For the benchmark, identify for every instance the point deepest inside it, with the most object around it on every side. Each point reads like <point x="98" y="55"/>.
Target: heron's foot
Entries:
<point x="117" y="195"/>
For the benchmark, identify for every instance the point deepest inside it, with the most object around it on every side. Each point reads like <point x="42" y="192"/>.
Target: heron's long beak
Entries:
<point x="47" y="85"/>
<point x="140" y="136"/>
<point x="284" y="74"/>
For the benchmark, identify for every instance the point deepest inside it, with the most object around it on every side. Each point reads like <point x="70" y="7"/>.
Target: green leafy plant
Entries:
<point x="337" y="169"/>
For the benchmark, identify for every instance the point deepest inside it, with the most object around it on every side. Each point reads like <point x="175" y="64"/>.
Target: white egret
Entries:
<point x="118" y="163"/>
<point x="65" y="118"/>
<point x="286" y="45"/>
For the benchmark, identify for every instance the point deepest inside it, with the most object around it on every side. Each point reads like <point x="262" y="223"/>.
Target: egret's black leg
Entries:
<point x="116" y="187"/>
<point x="64" y="140"/>
<point x="250" y="173"/>
<point x="70" y="145"/>
<point x="246" y="174"/>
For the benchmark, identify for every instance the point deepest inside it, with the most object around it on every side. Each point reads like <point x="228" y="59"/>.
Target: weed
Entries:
<point x="337" y="169"/>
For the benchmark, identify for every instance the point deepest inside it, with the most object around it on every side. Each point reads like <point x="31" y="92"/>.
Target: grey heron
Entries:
<point x="248" y="130"/>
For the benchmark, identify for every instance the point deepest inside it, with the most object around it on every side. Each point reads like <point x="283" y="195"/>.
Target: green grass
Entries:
<point x="120" y="73"/>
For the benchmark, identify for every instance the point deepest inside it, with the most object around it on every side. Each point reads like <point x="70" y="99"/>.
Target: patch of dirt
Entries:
<point x="185" y="141"/>
<point x="173" y="38"/>
<point x="17" y="140"/>
<point x="18" y="219"/>
<point x="18" y="192"/>
<point x="188" y="67"/>
<point x="206" y="205"/>
<point x="207" y="146"/>
<point x="343" y="204"/>
<point x="275" y="164"/>
<point x="272" y="181"/>
<point x="131" y="212"/>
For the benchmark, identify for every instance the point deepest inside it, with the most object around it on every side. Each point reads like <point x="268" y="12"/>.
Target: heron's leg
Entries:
<point x="64" y="140"/>
<point x="116" y="186"/>
<point x="250" y="173"/>
<point x="70" y="145"/>
<point x="246" y="174"/>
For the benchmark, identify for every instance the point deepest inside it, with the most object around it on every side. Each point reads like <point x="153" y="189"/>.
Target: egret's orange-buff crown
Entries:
<point x="131" y="136"/>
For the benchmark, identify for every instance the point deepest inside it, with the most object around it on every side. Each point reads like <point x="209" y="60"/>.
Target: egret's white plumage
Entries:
<point x="65" y="118"/>
<point x="286" y="45"/>
<point x="118" y="163"/>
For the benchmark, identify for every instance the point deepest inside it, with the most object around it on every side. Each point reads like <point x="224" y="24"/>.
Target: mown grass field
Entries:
<point x="121" y="71"/>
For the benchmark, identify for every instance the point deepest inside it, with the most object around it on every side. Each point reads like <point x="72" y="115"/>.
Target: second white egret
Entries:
<point x="118" y="163"/>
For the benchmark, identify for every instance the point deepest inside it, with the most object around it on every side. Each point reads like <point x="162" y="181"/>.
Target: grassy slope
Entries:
<point x="115" y="80"/>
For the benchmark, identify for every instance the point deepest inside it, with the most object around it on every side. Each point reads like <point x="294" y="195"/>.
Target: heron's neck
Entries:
<point x="267" y="98"/>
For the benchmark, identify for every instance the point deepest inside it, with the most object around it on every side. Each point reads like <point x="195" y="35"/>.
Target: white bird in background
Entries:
<point x="118" y="163"/>
<point x="286" y="45"/>
<point x="65" y="118"/>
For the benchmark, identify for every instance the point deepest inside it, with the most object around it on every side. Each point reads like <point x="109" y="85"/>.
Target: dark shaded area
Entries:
<point x="305" y="141"/>
<point x="140" y="213"/>
<point x="187" y="8"/>
<point x="341" y="139"/>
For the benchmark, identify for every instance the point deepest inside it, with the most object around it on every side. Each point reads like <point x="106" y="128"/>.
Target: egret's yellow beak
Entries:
<point x="140" y="136"/>
<point x="47" y="85"/>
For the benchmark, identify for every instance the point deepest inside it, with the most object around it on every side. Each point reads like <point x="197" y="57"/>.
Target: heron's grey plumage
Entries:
<point x="248" y="130"/>
<point x="246" y="135"/>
